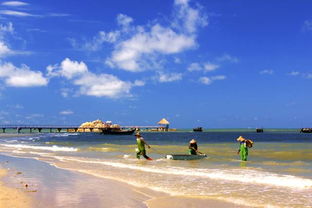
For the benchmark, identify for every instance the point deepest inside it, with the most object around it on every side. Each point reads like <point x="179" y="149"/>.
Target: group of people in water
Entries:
<point x="244" y="144"/>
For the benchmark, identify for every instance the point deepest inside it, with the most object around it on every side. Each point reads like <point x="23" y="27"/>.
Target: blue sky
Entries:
<point x="214" y="63"/>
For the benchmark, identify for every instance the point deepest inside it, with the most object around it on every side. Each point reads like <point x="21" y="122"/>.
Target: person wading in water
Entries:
<point x="193" y="149"/>
<point x="244" y="144"/>
<point x="141" y="147"/>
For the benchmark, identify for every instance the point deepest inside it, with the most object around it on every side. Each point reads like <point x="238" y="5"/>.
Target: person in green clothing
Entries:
<point x="141" y="147"/>
<point x="244" y="144"/>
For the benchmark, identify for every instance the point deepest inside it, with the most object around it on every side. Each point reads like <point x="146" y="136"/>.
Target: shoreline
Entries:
<point x="50" y="186"/>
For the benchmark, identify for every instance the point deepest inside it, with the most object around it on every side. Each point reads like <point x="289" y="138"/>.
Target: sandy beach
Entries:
<point x="13" y="197"/>
<point x="49" y="186"/>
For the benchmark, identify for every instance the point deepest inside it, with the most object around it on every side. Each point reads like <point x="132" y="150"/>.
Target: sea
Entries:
<point x="278" y="172"/>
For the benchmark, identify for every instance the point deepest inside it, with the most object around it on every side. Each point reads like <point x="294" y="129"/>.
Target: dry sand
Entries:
<point x="12" y="197"/>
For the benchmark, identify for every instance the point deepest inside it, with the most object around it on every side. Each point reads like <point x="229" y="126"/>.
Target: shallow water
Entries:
<point x="279" y="166"/>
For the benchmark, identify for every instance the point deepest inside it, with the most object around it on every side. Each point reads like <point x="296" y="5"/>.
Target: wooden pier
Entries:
<point x="68" y="128"/>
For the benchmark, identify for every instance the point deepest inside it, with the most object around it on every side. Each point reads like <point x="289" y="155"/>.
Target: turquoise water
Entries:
<point x="279" y="166"/>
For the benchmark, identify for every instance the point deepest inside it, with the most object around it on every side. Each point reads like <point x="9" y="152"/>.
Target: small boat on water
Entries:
<point x="259" y="130"/>
<point x="199" y="129"/>
<point x="306" y="130"/>
<point x="118" y="131"/>
<point x="185" y="157"/>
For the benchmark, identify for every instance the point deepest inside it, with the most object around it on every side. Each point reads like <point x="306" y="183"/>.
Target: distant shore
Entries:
<point x="13" y="133"/>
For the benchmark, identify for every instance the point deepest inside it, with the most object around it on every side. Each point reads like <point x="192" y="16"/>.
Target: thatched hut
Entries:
<point x="164" y="124"/>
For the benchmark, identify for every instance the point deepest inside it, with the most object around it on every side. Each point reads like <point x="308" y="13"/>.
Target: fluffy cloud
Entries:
<point x="202" y="67"/>
<point x="124" y="20"/>
<point x="21" y="77"/>
<point x="4" y="49"/>
<point x="188" y="19"/>
<point x="130" y="54"/>
<point x="68" y="69"/>
<point x="98" y="85"/>
<point x="170" y="77"/>
<point x="103" y="85"/>
<point x="98" y="40"/>
<point x="137" y="48"/>
<point x="210" y="80"/>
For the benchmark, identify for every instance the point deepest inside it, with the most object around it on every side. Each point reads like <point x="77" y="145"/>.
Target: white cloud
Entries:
<point x="187" y="18"/>
<point x="98" y="40"/>
<point x="227" y="57"/>
<point x="6" y="29"/>
<point x="210" y="80"/>
<point x="128" y="54"/>
<point x="194" y="67"/>
<point x="269" y="72"/>
<point x="205" y="80"/>
<point x="139" y="83"/>
<point x="68" y="69"/>
<point x="66" y="112"/>
<point x="65" y="92"/>
<point x="16" y="13"/>
<point x="21" y="77"/>
<point x="98" y="85"/>
<point x="308" y="76"/>
<point x="14" y="3"/>
<point x="169" y="77"/>
<point x="137" y="48"/>
<point x="294" y="73"/>
<point x="210" y="67"/>
<point x="4" y="49"/>
<point x="308" y="25"/>
<point x="103" y="85"/>
<point x="58" y="15"/>
<point x="124" y="20"/>
<point x="207" y="67"/>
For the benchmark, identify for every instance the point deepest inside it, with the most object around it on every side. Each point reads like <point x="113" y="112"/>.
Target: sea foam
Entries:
<point x="238" y="175"/>
<point x="53" y="148"/>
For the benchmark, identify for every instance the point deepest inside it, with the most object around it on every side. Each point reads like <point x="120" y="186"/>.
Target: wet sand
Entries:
<point x="52" y="187"/>
<point x="12" y="197"/>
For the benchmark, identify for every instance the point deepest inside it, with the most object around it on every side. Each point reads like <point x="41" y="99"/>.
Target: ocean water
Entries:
<point x="278" y="172"/>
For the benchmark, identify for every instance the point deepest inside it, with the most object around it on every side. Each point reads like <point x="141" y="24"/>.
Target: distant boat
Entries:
<point x="306" y="130"/>
<point x="258" y="130"/>
<point x="198" y="129"/>
<point x="185" y="157"/>
<point x="118" y="131"/>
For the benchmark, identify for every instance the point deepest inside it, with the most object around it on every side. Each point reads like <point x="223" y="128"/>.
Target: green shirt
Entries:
<point x="141" y="144"/>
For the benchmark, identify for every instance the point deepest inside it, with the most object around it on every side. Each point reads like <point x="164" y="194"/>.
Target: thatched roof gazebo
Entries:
<point x="163" y="122"/>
